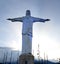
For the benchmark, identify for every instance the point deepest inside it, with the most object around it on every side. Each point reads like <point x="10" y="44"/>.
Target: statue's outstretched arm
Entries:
<point x="15" y="19"/>
<point x="40" y="20"/>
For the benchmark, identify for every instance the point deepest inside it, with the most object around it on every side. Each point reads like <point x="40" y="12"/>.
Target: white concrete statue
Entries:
<point x="27" y="26"/>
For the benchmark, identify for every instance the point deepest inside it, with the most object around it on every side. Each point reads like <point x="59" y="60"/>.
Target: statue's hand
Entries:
<point x="8" y="19"/>
<point x="11" y="19"/>
<point x="47" y="19"/>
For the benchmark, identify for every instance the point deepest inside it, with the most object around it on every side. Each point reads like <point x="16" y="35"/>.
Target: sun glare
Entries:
<point x="46" y="45"/>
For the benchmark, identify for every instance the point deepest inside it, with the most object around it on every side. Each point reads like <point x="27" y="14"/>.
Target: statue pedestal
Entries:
<point x="26" y="59"/>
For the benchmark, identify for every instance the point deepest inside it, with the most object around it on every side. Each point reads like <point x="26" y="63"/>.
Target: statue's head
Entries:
<point x="28" y="13"/>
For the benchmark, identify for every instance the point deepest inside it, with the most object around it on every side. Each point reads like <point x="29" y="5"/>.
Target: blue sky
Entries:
<point x="49" y="32"/>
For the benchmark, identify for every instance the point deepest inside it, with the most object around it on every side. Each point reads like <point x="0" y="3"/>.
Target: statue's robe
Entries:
<point x="27" y="31"/>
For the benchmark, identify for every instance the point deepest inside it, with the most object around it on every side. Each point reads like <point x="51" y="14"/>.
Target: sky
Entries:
<point x="47" y="35"/>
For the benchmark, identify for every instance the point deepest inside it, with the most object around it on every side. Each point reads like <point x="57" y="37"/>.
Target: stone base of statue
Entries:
<point x="26" y="59"/>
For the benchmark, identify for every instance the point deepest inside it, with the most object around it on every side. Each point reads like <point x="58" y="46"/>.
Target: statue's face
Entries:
<point x="28" y="13"/>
